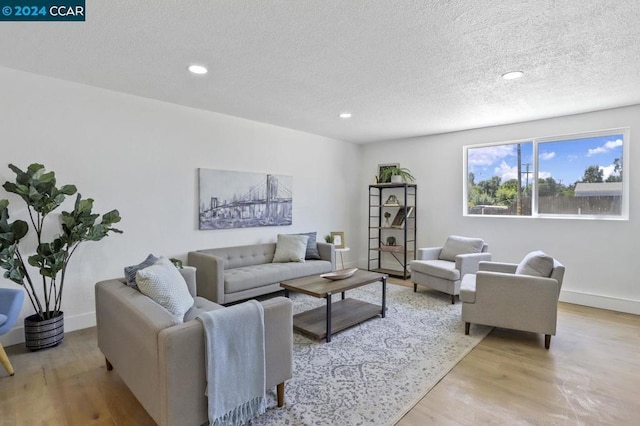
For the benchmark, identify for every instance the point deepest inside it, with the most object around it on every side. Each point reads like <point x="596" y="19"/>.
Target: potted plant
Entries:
<point x="37" y="188"/>
<point x="396" y="175"/>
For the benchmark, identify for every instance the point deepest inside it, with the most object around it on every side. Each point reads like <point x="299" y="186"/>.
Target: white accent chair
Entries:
<point x="514" y="296"/>
<point x="442" y="268"/>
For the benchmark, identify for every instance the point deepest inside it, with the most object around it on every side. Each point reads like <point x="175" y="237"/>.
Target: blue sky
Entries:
<point x="565" y="160"/>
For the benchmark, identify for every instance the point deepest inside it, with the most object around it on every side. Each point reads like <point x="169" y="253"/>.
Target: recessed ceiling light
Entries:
<point x="345" y="115"/>
<point x="512" y="75"/>
<point x="197" y="69"/>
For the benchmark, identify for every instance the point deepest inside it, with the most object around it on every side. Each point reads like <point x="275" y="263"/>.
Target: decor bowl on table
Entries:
<point x="339" y="274"/>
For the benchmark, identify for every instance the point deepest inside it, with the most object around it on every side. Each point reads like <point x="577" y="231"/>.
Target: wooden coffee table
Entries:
<point x="322" y="322"/>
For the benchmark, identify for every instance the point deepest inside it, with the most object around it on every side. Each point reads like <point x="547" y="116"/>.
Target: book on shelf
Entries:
<point x="399" y="220"/>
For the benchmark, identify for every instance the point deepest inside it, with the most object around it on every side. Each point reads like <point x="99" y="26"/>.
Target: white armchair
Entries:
<point x="511" y="296"/>
<point x="442" y="268"/>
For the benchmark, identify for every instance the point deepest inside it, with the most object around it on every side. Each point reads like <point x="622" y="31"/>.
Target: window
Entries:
<point x="569" y="176"/>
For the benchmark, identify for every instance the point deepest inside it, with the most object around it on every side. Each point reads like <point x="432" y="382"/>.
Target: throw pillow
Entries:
<point x="3" y="319"/>
<point x="290" y="248"/>
<point x="312" y="246"/>
<point x="130" y="271"/>
<point x="536" y="263"/>
<point x="456" y="245"/>
<point x="163" y="283"/>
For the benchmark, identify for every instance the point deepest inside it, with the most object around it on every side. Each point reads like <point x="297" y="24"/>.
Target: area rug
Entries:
<point x="374" y="372"/>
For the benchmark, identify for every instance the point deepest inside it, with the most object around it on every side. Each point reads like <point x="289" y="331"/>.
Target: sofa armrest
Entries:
<point x="429" y="253"/>
<point x="183" y="367"/>
<point x="468" y="263"/>
<point x="209" y="275"/>
<point x="278" y="329"/>
<point x="327" y="252"/>
<point x="507" y="268"/>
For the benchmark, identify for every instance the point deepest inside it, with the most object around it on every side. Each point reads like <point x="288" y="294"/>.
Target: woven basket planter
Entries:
<point x="41" y="334"/>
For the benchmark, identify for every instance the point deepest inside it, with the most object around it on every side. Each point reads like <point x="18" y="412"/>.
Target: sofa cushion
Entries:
<point x="456" y="245"/>
<point x="163" y="283"/>
<point x="436" y="268"/>
<point x="130" y="271"/>
<point x="3" y="319"/>
<point x="249" y="277"/>
<point x="312" y="246"/>
<point x="290" y="248"/>
<point x="536" y="263"/>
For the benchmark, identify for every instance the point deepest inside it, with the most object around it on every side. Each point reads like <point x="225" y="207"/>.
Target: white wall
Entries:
<point x="601" y="257"/>
<point x="141" y="156"/>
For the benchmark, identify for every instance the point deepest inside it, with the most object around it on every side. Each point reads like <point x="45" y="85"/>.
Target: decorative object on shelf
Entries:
<point x="339" y="275"/>
<point x="391" y="241"/>
<point x="396" y="174"/>
<point x="392" y="201"/>
<point x="387" y="216"/>
<point x="338" y="239"/>
<point x="328" y="238"/>
<point x="398" y="221"/>
<point x="37" y="188"/>
<point x="381" y="171"/>
<point x="231" y="199"/>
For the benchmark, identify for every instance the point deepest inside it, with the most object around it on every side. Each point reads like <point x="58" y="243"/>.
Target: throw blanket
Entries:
<point x="234" y="344"/>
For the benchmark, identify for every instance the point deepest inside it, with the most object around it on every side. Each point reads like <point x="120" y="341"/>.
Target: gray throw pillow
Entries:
<point x="130" y="271"/>
<point x="537" y="264"/>
<point x="290" y="248"/>
<point x="312" y="246"/>
<point x="456" y="245"/>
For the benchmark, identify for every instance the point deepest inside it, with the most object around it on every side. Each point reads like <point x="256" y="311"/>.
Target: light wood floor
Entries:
<point x="590" y="376"/>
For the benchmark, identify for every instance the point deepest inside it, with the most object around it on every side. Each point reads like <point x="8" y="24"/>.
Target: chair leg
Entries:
<point x="108" y="364"/>
<point x="547" y="341"/>
<point x="4" y="359"/>
<point x="466" y="328"/>
<point x="453" y="299"/>
<point x="415" y="287"/>
<point x="280" y="391"/>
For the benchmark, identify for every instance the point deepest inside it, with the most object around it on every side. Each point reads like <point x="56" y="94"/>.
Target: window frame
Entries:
<point x="536" y="141"/>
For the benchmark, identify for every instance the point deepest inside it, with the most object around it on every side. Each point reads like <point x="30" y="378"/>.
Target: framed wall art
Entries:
<point x="229" y="199"/>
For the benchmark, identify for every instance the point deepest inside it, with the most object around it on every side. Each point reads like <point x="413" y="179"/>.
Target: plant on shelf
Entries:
<point x="396" y="175"/>
<point x="37" y="187"/>
<point x="328" y="238"/>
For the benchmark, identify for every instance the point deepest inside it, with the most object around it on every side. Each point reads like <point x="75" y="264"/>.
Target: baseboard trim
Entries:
<point x="71" y="323"/>
<point x="600" y="301"/>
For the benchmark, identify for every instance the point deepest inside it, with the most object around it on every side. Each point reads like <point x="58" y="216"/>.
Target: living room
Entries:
<point x="142" y="155"/>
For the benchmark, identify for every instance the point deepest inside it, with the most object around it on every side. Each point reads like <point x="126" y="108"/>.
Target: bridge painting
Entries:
<point x="231" y="199"/>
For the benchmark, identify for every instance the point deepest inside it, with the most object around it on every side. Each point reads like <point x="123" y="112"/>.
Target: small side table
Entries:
<point x="342" y="250"/>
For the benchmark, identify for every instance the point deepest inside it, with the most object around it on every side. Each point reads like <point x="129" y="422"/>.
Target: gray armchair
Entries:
<point x="442" y="268"/>
<point x="511" y="296"/>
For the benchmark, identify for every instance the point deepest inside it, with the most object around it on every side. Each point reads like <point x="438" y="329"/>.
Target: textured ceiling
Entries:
<point x="403" y="68"/>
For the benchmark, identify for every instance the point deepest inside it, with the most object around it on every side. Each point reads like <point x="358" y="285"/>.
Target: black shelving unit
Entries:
<point x="400" y="201"/>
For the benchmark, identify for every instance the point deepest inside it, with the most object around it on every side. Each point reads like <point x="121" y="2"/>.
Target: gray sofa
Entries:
<point x="230" y="274"/>
<point x="163" y="362"/>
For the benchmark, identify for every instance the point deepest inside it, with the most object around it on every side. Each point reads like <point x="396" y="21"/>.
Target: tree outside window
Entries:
<point x="564" y="176"/>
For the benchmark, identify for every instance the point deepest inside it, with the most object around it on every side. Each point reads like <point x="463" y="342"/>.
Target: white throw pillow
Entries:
<point x="537" y="264"/>
<point x="290" y="248"/>
<point x="163" y="283"/>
